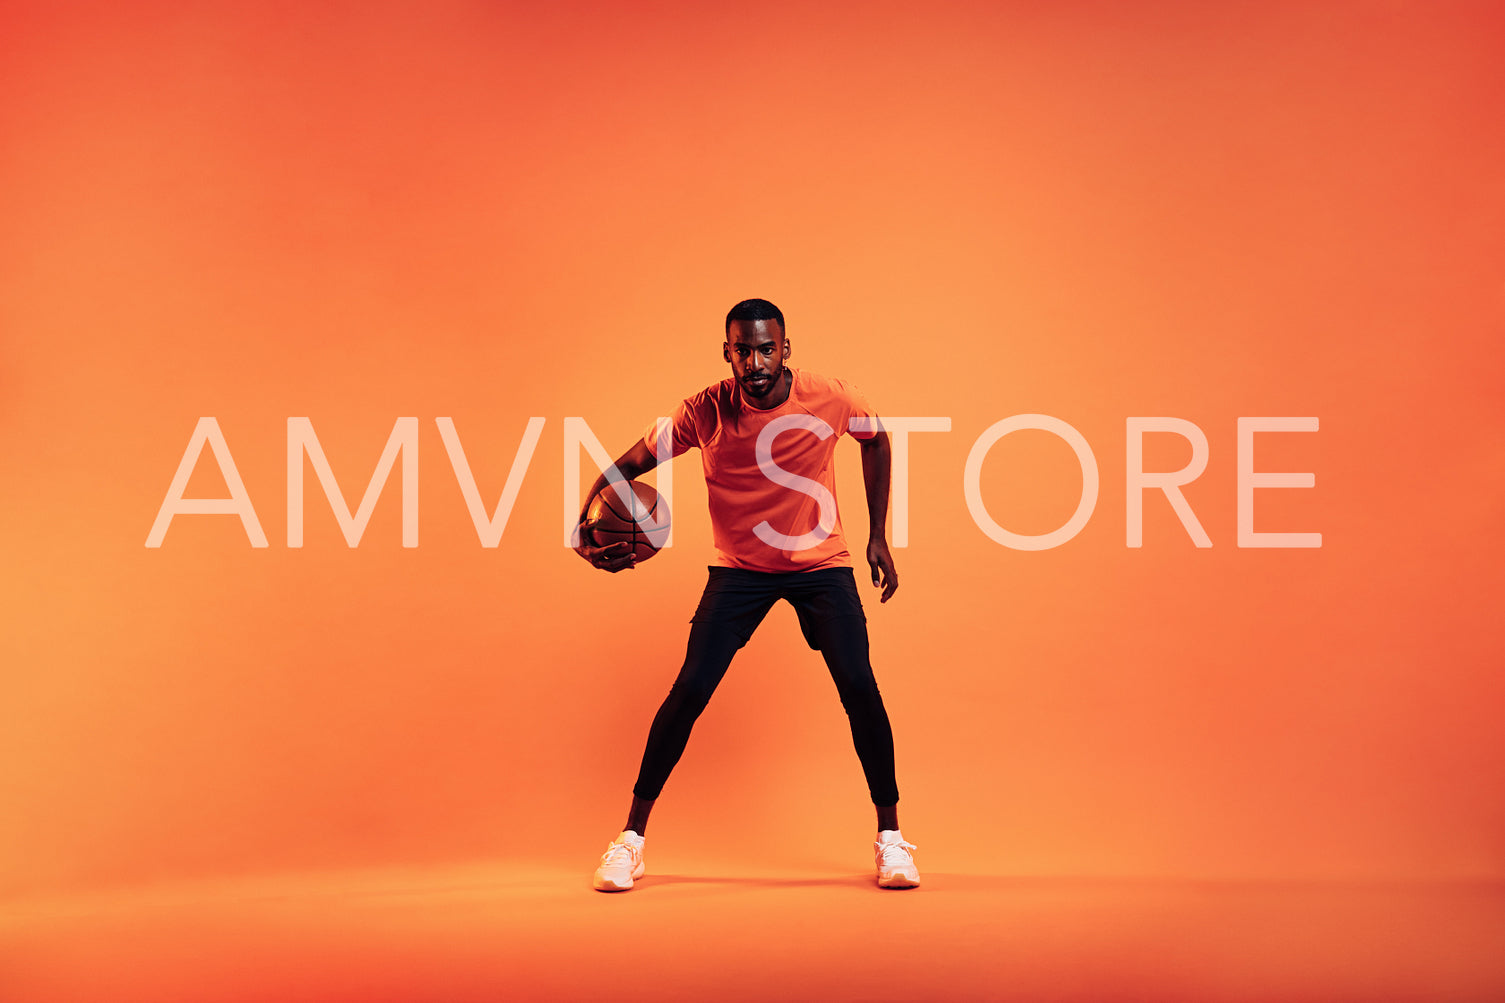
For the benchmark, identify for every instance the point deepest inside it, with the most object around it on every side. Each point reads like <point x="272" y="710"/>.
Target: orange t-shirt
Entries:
<point x="777" y="511"/>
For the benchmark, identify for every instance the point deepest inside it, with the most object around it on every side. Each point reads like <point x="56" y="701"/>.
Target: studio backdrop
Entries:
<point x="316" y="320"/>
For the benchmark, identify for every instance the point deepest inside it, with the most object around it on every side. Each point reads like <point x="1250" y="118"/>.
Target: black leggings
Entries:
<point x="831" y="619"/>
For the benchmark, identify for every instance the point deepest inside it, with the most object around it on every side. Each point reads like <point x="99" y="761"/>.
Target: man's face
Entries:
<point x="757" y="350"/>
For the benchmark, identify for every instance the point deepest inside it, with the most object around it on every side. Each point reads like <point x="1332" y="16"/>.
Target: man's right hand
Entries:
<point x="615" y="556"/>
<point x="612" y="557"/>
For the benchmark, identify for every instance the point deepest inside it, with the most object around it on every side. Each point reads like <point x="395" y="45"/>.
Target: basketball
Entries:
<point x="611" y="522"/>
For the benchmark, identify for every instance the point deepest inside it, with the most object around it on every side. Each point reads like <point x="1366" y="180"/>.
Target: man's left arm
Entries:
<point x="877" y="461"/>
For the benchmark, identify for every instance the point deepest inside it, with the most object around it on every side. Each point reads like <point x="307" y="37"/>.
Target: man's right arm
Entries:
<point x="632" y="464"/>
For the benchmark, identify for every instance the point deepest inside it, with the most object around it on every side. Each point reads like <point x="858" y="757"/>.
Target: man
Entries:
<point x="767" y="438"/>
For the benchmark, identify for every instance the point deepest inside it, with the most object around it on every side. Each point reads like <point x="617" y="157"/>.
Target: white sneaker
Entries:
<point x="896" y="867"/>
<point x="621" y="864"/>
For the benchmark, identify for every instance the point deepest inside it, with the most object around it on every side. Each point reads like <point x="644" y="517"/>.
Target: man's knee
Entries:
<point x="690" y="695"/>
<point x="861" y="696"/>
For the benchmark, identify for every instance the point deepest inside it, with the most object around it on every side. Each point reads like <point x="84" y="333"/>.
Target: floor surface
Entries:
<point x="483" y="932"/>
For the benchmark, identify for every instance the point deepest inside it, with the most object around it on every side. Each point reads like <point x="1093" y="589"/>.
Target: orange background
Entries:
<point x="491" y="212"/>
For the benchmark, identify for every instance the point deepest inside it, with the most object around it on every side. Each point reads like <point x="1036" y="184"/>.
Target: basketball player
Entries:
<point x="767" y="438"/>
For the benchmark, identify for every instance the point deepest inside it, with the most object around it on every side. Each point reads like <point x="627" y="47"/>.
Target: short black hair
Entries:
<point x="754" y="310"/>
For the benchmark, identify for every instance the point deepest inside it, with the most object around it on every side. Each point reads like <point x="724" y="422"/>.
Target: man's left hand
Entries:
<point x="882" y="563"/>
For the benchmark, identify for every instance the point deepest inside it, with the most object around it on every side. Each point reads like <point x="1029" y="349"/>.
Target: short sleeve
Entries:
<point x="862" y="420"/>
<point x="668" y="437"/>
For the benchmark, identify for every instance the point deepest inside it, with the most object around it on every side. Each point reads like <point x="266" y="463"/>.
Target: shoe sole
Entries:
<point x="899" y="881"/>
<point x="608" y="885"/>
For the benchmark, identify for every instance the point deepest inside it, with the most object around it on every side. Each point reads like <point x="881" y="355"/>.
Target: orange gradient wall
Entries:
<point x="490" y="212"/>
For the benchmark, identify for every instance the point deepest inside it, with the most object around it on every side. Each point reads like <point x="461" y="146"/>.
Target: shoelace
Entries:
<point x="897" y="858"/>
<point x="618" y="853"/>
